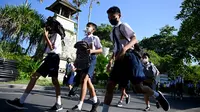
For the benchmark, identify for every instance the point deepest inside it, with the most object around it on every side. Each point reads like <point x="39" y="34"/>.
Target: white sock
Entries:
<point x="148" y="105"/>
<point x="80" y="104"/>
<point x="155" y="94"/>
<point x="23" y="97"/>
<point x="95" y="99"/>
<point x="126" y="96"/>
<point x="58" y="100"/>
<point x="120" y="101"/>
<point x="105" y="108"/>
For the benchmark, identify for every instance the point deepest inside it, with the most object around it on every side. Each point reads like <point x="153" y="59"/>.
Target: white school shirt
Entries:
<point x="93" y="41"/>
<point x="126" y="30"/>
<point x="56" y="42"/>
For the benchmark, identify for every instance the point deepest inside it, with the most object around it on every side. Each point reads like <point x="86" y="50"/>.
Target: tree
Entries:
<point x="189" y="33"/>
<point x="90" y="8"/>
<point x="26" y="2"/>
<point x="165" y="42"/>
<point x="78" y="4"/>
<point x="19" y="23"/>
<point x="103" y="32"/>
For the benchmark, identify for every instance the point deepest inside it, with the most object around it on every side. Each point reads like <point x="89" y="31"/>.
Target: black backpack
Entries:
<point x="82" y="60"/>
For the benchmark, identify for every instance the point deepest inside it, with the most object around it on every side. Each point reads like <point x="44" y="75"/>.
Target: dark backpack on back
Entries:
<point x="82" y="60"/>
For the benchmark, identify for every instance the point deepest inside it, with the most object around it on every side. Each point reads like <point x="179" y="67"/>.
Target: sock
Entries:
<point x="80" y="104"/>
<point x="120" y="101"/>
<point x="126" y="96"/>
<point x="148" y="105"/>
<point x="23" y="97"/>
<point x="95" y="99"/>
<point x="105" y="108"/>
<point x="58" y="100"/>
<point x="155" y="94"/>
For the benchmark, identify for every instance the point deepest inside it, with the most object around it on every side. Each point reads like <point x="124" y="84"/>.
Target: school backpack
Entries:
<point x="150" y="70"/>
<point x="82" y="60"/>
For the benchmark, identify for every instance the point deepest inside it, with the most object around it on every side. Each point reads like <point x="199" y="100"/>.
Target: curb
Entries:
<point x="190" y="110"/>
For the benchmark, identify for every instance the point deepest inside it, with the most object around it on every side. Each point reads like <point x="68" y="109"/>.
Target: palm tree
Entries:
<point x="26" y="2"/>
<point x="18" y="23"/>
<point x="90" y="8"/>
<point x="78" y="4"/>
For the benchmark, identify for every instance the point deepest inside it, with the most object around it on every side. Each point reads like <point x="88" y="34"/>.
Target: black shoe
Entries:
<point x="74" y="109"/>
<point x="56" y="108"/>
<point x="128" y="99"/>
<point x="157" y="105"/>
<point x="15" y="103"/>
<point x="163" y="102"/>
<point x="95" y="105"/>
<point x="147" y="109"/>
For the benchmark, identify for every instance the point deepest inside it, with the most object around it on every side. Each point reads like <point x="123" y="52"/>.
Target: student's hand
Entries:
<point x="121" y="54"/>
<point x="90" y="51"/>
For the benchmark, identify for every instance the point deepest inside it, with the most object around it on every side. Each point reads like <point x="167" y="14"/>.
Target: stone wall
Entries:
<point x="70" y="39"/>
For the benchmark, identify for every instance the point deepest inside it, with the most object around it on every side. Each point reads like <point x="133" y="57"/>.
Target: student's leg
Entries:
<point x="146" y="99"/>
<point x="18" y="103"/>
<point x="57" y="89"/>
<point x="108" y="96"/>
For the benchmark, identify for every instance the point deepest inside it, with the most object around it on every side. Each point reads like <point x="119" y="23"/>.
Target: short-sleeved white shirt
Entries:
<point x="126" y="31"/>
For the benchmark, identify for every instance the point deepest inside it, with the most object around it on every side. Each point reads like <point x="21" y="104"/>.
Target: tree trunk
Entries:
<point x="90" y="10"/>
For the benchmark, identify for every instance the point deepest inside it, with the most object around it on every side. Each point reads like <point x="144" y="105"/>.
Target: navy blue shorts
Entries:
<point x="90" y="69"/>
<point x="128" y="68"/>
<point x="50" y="65"/>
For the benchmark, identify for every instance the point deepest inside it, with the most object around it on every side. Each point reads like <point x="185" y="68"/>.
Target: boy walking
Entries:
<point x="127" y="64"/>
<point x="95" y="48"/>
<point x="151" y="72"/>
<point x="49" y="67"/>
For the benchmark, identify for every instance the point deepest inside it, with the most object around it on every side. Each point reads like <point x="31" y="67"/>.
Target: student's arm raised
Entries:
<point x="47" y="39"/>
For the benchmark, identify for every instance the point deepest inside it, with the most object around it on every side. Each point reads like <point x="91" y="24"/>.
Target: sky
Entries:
<point x="145" y="17"/>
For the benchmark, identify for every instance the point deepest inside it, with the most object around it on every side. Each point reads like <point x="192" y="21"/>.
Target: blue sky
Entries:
<point x="145" y="17"/>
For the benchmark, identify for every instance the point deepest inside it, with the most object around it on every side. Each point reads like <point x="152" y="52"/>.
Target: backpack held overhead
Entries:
<point x="150" y="70"/>
<point x="82" y="60"/>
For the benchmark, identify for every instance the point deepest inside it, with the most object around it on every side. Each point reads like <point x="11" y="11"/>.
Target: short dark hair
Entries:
<point x="113" y="10"/>
<point x="93" y="24"/>
<point x="146" y="54"/>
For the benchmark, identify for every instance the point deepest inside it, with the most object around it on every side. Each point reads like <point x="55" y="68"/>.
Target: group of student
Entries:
<point x="176" y="86"/>
<point x="125" y="65"/>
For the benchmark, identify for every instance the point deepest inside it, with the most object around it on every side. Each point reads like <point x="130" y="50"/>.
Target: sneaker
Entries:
<point x="128" y="99"/>
<point x="157" y="105"/>
<point x="95" y="105"/>
<point x="56" y="108"/>
<point x="119" y="104"/>
<point x="147" y="109"/>
<point x="15" y="103"/>
<point x="163" y="102"/>
<point x="74" y="109"/>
